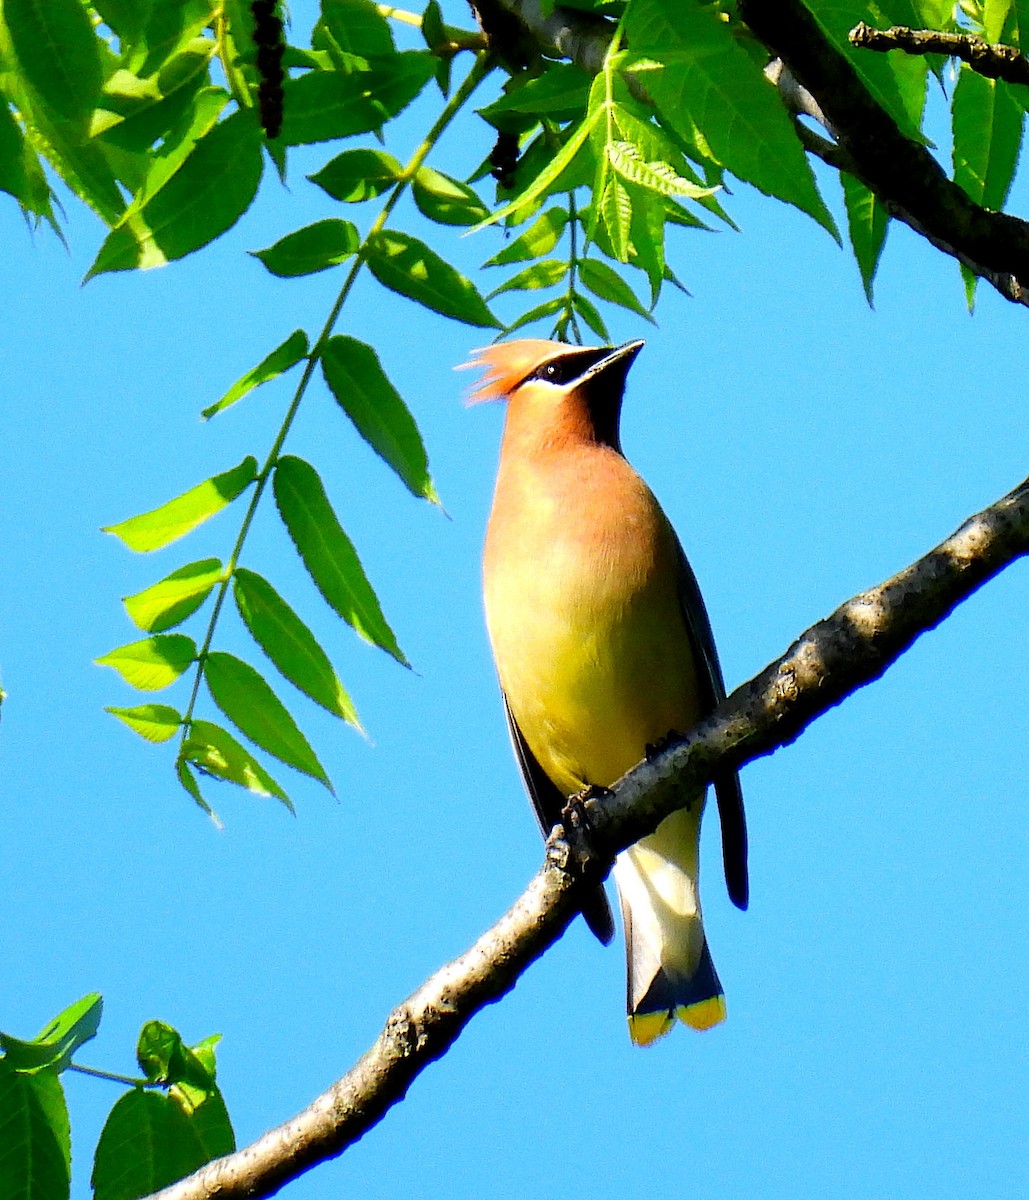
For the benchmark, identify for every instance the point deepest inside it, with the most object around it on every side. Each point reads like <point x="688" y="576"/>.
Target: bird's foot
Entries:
<point x="574" y="813"/>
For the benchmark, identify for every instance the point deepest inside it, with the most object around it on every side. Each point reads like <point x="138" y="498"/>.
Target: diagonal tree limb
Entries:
<point x="832" y="659"/>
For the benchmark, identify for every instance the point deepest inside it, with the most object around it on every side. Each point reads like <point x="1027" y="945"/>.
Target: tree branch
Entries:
<point x="901" y="172"/>
<point x="995" y="62"/>
<point x="834" y="658"/>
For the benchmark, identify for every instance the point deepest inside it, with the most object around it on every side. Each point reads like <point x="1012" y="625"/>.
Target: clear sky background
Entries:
<point x="805" y="447"/>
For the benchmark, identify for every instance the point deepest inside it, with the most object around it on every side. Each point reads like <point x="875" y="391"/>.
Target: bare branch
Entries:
<point x="832" y="659"/>
<point x="993" y="61"/>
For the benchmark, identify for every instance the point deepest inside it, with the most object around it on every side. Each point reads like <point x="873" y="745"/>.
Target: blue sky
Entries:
<point x="805" y="447"/>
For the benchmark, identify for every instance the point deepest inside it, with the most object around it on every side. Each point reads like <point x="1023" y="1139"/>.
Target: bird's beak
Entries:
<point x="622" y="357"/>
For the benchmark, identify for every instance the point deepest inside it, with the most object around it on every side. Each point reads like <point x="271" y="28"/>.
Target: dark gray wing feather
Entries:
<point x="728" y="793"/>
<point x="548" y="803"/>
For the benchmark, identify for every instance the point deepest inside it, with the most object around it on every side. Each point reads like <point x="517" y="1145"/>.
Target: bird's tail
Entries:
<point x="670" y="972"/>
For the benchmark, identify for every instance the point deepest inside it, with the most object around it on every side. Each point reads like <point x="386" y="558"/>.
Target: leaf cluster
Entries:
<point x="171" y="1121"/>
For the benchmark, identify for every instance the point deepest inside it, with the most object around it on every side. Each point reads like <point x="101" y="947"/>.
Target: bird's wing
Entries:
<point x="728" y="793"/>
<point x="548" y="804"/>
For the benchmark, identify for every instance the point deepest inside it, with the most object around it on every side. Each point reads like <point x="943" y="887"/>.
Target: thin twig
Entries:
<point x="994" y="61"/>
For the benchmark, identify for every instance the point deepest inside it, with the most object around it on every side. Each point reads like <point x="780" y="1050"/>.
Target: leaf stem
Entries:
<point x="113" y="1076"/>
<point x="478" y="72"/>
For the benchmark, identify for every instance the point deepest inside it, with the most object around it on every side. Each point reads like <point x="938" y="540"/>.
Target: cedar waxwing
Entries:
<point x="603" y="647"/>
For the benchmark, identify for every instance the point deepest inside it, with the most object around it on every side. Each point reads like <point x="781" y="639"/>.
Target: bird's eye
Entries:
<point x="561" y="370"/>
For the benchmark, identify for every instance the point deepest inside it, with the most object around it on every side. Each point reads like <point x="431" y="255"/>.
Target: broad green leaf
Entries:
<point x="289" y="643"/>
<point x="357" y="175"/>
<point x="561" y="90"/>
<point x="171" y="27"/>
<point x="588" y="311"/>
<point x="714" y="95"/>
<point x="164" y="525"/>
<point x="176" y="597"/>
<point x="605" y="282"/>
<point x="58" y="53"/>
<point x="54" y="1045"/>
<point x="987" y="124"/>
<point x="995" y="13"/>
<point x="539" y="239"/>
<point x="35" y="1146"/>
<point x="127" y="18"/>
<point x="321" y="106"/>
<point x="206" y="196"/>
<point x="154" y="663"/>
<point x="405" y="265"/>
<point x="867" y="221"/>
<point x="328" y="553"/>
<point x="547" y="309"/>
<point x="446" y="200"/>
<point x="398" y="81"/>
<point x="540" y="275"/>
<point x="358" y="27"/>
<point x="245" y="698"/>
<point x="216" y="752"/>
<point x="311" y="249"/>
<point x="195" y="124"/>
<point x="293" y="350"/>
<point x="154" y="722"/>
<point x="356" y="378"/>
<point x="151" y="1140"/>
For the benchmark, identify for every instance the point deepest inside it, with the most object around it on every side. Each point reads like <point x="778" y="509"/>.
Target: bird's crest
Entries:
<point x="507" y="364"/>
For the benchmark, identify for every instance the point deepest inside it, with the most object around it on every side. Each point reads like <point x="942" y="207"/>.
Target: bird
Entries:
<point x="603" y="647"/>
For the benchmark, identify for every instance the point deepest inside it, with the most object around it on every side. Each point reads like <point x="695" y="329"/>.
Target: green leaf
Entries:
<point x="987" y="124"/>
<point x="547" y="309"/>
<point x="588" y="311"/>
<point x="605" y="282"/>
<point x="245" y="698"/>
<point x="715" y="96"/>
<point x="21" y="175"/>
<point x="560" y="91"/>
<point x="205" y="197"/>
<point x="407" y="266"/>
<point x="293" y="350"/>
<point x="357" y="175"/>
<point x="655" y="176"/>
<point x="539" y="239"/>
<point x="216" y="752"/>
<point x="165" y="1058"/>
<point x="164" y="525"/>
<point x="59" y="55"/>
<point x="446" y="200"/>
<point x="35" y="1149"/>
<point x="358" y="27"/>
<point x="152" y="1139"/>
<point x="614" y="208"/>
<point x="328" y="553"/>
<point x="53" y="1046"/>
<point x="154" y="722"/>
<point x="176" y="597"/>
<point x="289" y="643"/>
<point x="540" y="275"/>
<point x="356" y="379"/>
<point x="195" y="124"/>
<point x="867" y="221"/>
<point x="311" y="249"/>
<point x="188" y="780"/>
<point x="154" y="663"/>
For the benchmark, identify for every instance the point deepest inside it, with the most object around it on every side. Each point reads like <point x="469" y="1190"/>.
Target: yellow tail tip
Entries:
<point x="646" y="1028"/>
